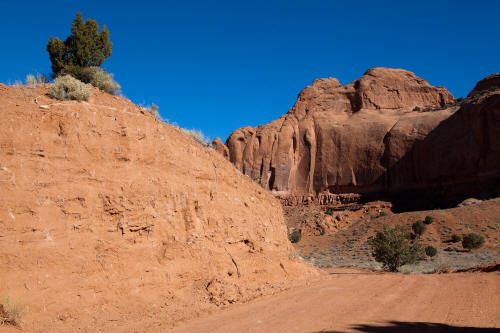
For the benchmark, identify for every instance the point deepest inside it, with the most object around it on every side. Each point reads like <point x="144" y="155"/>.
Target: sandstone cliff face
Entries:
<point x="371" y="136"/>
<point x="111" y="220"/>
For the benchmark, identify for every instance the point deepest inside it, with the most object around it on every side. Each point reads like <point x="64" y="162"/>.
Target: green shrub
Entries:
<point x="393" y="247"/>
<point x="418" y="228"/>
<point x="455" y="238"/>
<point x="416" y="108"/>
<point x="67" y="87"/>
<point x="96" y="76"/>
<point x="295" y="236"/>
<point x="430" y="251"/>
<point x="428" y="220"/>
<point x="329" y="211"/>
<point x="85" y="47"/>
<point x="472" y="241"/>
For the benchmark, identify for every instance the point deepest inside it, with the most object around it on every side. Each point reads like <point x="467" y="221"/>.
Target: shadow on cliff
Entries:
<point x="405" y="327"/>
<point x="457" y="160"/>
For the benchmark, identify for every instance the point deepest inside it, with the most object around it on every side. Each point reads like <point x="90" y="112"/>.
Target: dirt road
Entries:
<point x="357" y="301"/>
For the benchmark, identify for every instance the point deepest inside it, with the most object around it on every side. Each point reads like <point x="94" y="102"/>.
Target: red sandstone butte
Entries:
<point x="387" y="132"/>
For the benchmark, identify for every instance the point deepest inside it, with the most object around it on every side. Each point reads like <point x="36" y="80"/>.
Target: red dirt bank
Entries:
<point x="113" y="221"/>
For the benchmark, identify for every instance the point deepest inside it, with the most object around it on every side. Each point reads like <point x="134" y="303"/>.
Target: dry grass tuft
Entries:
<point x="11" y="313"/>
<point x="198" y="136"/>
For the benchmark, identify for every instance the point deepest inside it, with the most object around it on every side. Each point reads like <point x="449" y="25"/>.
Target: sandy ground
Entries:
<point x="362" y="301"/>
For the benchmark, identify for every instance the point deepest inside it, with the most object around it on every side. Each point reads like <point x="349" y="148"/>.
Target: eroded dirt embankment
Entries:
<point x="113" y="221"/>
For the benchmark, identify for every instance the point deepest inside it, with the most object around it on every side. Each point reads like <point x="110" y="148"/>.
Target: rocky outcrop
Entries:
<point x="387" y="132"/>
<point x="221" y="148"/>
<point x="113" y="220"/>
<point x="491" y="82"/>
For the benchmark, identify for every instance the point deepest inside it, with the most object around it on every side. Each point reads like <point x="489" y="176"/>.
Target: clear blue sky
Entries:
<point x="221" y="65"/>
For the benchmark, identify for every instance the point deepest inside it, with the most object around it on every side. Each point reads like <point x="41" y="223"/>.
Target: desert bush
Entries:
<point x="99" y="78"/>
<point x="153" y="109"/>
<point x="96" y="76"/>
<point x="35" y="80"/>
<point x="416" y="108"/>
<point x="198" y="136"/>
<point x="85" y="47"/>
<point x="430" y="251"/>
<point x="393" y="247"/>
<point x="455" y="238"/>
<point x="329" y="211"/>
<point x="295" y="236"/>
<point x="418" y="228"/>
<point x="67" y="87"/>
<point x="11" y="313"/>
<point x="472" y="241"/>
<point x="428" y="220"/>
<point x="31" y="80"/>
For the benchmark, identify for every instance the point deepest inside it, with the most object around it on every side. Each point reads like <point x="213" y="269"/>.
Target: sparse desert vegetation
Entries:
<point x="295" y="236"/>
<point x="11" y="313"/>
<point x="198" y="136"/>
<point x="430" y="251"/>
<point x="82" y="54"/>
<point x="36" y="79"/>
<point x="472" y="241"/>
<point x="67" y="87"/>
<point x="394" y="247"/>
<point x="348" y="244"/>
<point x="153" y="110"/>
<point x="418" y="228"/>
<point x="96" y="76"/>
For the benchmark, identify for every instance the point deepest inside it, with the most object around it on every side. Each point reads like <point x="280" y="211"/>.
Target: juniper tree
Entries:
<point x="394" y="247"/>
<point x="85" y="47"/>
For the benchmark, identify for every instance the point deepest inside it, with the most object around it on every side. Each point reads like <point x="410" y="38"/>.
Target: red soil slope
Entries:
<point x="113" y="221"/>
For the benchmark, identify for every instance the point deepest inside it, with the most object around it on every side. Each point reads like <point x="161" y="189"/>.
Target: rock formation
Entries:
<point x="220" y="147"/>
<point x="491" y="83"/>
<point x="387" y="132"/>
<point x="114" y="221"/>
